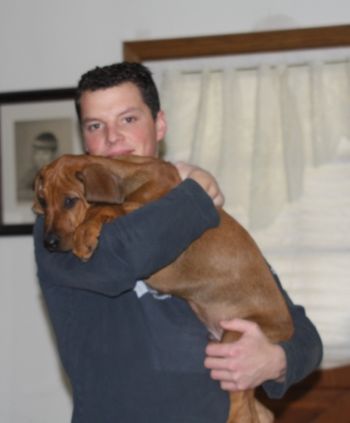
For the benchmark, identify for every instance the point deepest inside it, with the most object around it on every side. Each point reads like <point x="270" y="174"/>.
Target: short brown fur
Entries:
<point x="222" y="274"/>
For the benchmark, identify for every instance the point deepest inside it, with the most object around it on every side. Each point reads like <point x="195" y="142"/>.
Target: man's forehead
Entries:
<point x="125" y="89"/>
<point x="119" y="99"/>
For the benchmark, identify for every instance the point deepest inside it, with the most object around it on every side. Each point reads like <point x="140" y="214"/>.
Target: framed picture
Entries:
<point x="35" y="128"/>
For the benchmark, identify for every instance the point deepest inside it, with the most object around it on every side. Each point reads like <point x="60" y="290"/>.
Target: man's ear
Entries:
<point x="101" y="185"/>
<point x="161" y="126"/>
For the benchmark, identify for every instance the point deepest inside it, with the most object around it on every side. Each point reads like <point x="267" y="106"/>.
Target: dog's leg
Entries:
<point x="265" y="415"/>
<point x="87" y="233"/>
<point x="244" y="408"/>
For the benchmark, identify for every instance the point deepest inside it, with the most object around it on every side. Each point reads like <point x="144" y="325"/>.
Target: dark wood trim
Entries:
<point x="338" y="411"/>
<point x="37" y="95"/>
<point x="242" y="43"/>
<point x="322" y="397"/>
<point x="8" y="230"/>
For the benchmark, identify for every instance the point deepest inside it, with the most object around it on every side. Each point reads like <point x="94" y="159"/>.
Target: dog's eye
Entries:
<point x="42" y="202"/>
<point x="69" y="202"/>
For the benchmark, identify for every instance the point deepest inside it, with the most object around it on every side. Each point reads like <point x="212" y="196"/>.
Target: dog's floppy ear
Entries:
<point x="101" y="185"/>
<point x="38" y="199"/>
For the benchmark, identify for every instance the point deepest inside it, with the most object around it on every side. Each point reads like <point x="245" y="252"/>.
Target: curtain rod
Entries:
<point x="256" y="67"/>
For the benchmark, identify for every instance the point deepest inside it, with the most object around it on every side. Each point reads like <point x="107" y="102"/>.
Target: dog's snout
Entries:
<point x="52" y="241"/>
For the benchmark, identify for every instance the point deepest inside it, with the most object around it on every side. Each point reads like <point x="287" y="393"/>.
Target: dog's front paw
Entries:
<point x="85" y="240"/>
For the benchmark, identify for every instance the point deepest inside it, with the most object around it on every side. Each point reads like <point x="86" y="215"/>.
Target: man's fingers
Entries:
<point x="239" y="325"/>
<point x="203" y="178"/>
<point x="229" y="386"/>
<point x="216" y="349"/>
<point x="227" y="380"/>
<point x="215" y="363"/>
<point x="219" y="199"/>
<point x="184" y="169"/>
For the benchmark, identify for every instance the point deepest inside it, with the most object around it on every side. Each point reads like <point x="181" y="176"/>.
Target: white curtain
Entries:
<point x="278" y="140"/>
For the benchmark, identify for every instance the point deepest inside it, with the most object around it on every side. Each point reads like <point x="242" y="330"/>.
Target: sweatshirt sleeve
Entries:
<point x="303" y="350"/>
<point x="131" y="247"/>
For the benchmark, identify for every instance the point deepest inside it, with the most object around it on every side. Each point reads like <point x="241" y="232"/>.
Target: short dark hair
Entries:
<point x="116" y="74"/>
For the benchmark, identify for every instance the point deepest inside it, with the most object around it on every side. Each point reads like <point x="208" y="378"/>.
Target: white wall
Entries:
<point x="48" y="44"/>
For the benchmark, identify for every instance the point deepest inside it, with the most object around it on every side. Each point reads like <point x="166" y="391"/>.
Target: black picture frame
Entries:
<point x="21" y="114"/>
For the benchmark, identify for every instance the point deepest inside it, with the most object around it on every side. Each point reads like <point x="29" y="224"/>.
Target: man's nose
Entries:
<point x="114" y="134"/>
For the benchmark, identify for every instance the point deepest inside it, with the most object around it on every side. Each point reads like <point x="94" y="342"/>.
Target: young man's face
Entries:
<point x="116" y="121"/>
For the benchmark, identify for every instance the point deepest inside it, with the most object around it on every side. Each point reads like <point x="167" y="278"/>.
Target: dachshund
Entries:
<point x="222" y="274"/>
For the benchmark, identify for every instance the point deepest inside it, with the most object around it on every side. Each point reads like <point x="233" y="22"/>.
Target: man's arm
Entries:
<point x="304" y="351"/>
<point x="133" y="246"/>
<point x="253" y="360"/>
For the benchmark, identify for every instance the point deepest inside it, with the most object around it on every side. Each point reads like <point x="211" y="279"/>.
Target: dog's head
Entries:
<point x="69" y="186"/>
<point x="65" y="189"/>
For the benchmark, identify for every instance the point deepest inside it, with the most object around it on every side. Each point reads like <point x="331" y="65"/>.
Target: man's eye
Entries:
<point x="91" y="127"/>
<point x="130" y="119"/>
<point x="70" y="202"/>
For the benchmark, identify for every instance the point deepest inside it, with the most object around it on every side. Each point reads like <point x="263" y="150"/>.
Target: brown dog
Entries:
<point x="222" y="274"/>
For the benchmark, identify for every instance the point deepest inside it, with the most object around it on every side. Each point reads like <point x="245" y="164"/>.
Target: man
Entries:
<point x="132" y="355"/>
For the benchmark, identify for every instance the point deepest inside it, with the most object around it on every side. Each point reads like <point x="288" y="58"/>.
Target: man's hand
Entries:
<point x="204" y="179"/>
<point x="248" y="362"/>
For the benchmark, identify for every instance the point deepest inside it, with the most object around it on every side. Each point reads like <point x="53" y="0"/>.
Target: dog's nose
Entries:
<point x="51" y="241"/>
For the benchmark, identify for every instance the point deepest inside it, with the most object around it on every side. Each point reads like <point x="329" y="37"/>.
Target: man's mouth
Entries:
<point x="120" y="152"/>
